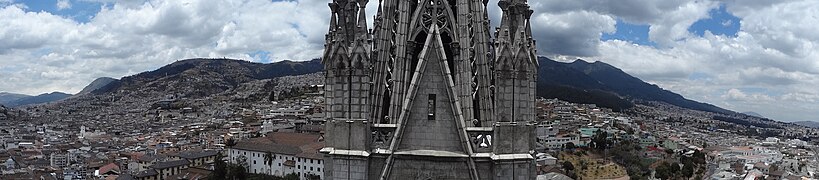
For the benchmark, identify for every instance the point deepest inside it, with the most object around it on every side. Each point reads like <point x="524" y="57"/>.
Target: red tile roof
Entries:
<point x="296" y="144"/>
<point x="109" y="167"/>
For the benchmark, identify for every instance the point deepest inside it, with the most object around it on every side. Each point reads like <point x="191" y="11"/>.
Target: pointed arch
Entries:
<point x="430" y="12"/>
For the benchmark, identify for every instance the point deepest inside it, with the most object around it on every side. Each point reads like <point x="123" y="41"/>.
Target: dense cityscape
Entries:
<point x="283" y="135"/>
<point x="408" y="90"/>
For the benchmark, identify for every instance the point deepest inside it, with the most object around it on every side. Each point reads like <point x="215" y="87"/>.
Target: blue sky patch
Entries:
<point x="699" y="76"/>
<point x="260" y="56"/>
<point x="41" y="52"/>
<point x="760" y="90"/>
<point x="80" y="11"/>
<point x="634" y="33"/>
<point x="721" y="22"/>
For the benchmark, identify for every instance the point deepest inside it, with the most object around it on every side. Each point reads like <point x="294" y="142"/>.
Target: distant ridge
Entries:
<point x="558" y="80"/>
<point x="753" y="114"/>
<point x="96" y="84"/>
<point x="201" y="77"/>
<point x="188" y="81"/>
<point x="39" y="99"/>
<point x="8" y="98"/>
<point x="607" y="85"/>
<point x="812" y="124"/>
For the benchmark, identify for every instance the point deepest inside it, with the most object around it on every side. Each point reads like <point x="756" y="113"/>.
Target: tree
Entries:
<point x="291" y="176"/>
<point x="268" y="159"/>
<point x="311" y="176"/>
<point x="219" y="168"/>
<point x="663" y="171"/>
<point x="688" y="170"/>
<point x="230" y="142"/>
<point x="699" y="157"/>
<point x="570" y="145"/>
<point x="569" y="168"/>
<point x="600" y="140"/>
<point x="673" y="168"/>
<point x="238" y="170"/>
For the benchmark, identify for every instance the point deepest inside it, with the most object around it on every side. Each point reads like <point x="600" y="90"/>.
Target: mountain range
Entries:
<point x="196" y="78"/>
<point x="15" y="100"/>
<point x="754" y="114"/>
<point x="605" y="85"/>
<point x="213" y="86"/>
<point x="578" y="81"/>
<point x="96" y="84"/>
<point x="8" y="98"/>
<point x="243" y="81"/>
<point x="812" y="124"/>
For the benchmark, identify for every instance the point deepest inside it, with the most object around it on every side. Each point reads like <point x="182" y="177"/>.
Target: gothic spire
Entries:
<point x="361" y="31"/>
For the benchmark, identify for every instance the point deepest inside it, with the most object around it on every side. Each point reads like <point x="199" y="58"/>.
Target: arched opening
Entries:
<point x="418" y="46"/>
<point x="450" y="58"/>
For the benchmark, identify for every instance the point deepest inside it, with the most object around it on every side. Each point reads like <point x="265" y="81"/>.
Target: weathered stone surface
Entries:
<point x="439" y="103"/>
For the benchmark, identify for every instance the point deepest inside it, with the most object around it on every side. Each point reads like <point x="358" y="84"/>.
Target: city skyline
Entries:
<point x="743" y="56"/>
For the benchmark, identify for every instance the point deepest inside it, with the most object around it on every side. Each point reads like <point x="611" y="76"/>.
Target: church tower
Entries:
<point x="427" y="93"/>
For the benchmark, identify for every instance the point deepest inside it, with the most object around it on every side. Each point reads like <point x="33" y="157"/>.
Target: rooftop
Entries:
<point x="288" y="143"/>
<point x="197" y="154"/>
<point x="170" y="164"/>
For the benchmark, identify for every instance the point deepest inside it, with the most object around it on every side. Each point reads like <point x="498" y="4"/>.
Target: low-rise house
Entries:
<point x="145" y="161"/>
<point x="149" y="174"/>
<point x="199" y="158"/>
<point x="59" y="160"/>
<point x="168" y="168"/>
<point x="559" y="141"/>
<point x="762" y="167"/>
<point x="289" y="153"/>
<point x="108" y="170"/>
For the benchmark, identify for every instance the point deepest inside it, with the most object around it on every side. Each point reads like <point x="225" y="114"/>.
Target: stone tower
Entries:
<point x="427" y="93"/>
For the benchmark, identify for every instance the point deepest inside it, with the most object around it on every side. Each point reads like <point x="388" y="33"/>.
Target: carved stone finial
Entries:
<point x="333" y="7"/>
<point x="363" y="3"/>
<point x="528" y="14"/>
<point x="504" y="5"/>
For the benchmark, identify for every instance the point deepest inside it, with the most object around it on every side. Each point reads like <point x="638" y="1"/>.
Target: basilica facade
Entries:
<point x="429" y="92"/>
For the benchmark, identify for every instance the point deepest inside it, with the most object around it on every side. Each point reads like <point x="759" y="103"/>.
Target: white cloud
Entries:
<point x="669" y="20"/>
<point x="571" y="33"/>
<point x="6" y="2"/>
<point x="774" y="50"/>
<point x="54" y="53"/>
<point x="63" y="4"/>
<point x="739" y="95"/>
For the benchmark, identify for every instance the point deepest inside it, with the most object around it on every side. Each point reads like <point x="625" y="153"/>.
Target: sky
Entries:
<point x="743" y="55"/>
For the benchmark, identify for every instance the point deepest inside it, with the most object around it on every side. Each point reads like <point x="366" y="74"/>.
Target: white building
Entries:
<point x="559" y="141"/>
<point x="59" y="160"/>
<point x="752" y="154"/>
<point x="288" y="112"/>
<point x="291" y="152"/>
<point x="771" y="141"/>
